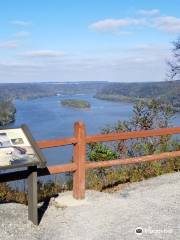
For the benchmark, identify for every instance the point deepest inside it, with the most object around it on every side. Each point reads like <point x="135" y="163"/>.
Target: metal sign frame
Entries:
<point x="40" y="155"/>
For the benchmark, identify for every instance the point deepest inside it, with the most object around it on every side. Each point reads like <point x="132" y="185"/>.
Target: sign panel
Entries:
<point x="18" y="149"/>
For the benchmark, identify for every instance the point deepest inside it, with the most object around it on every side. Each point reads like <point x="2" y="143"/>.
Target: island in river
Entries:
<point x="76" y="103"/>
<point x="7" y="112"/>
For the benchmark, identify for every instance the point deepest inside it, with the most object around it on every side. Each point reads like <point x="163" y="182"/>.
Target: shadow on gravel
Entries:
<point x="42" y="209"/>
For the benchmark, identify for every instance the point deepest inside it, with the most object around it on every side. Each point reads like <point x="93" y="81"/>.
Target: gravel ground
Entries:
<point x="152" y="205"/>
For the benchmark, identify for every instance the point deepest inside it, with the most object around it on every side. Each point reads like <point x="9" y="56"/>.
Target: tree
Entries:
<point x="147" y="115"/>
<point x="7" y="112"/>
<point x="174" y="64"/>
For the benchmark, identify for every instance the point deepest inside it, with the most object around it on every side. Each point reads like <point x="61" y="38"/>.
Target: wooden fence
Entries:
<point x="80" y="164"/>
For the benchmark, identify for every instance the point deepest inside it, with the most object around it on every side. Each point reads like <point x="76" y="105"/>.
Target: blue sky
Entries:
<point x="98" y="40"/>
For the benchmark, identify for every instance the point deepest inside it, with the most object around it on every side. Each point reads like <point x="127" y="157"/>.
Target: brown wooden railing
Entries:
<point x="80" y="164"/>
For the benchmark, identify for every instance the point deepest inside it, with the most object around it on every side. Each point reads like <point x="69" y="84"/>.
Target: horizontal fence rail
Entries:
<point x="134" y="160"/>
<point x="79" y="165"/>
<point x="131" y="135"/>
<point x="19" y="175"/>
<point x="56" y="142"/>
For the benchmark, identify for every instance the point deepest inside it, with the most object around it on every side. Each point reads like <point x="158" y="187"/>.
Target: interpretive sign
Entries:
<point x="18" y="149"/>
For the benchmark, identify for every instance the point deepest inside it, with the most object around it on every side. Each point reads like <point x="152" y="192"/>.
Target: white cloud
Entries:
<point x="42" y="53"/>
<point x="151" y="18"/>
<point x="115" y="24"/>
<point x="21" y="23"/>
<point x="20" y="66"/>
<point x="85" y="69"/>
<point x="168" y="24"/>
<point x="149" y="12"/>
<point x="113" y="65"/>
<point x="22" y="34"/>
<point x="8" y="44"/>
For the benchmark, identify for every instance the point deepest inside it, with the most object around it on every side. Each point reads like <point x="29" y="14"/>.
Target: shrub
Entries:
<point x="147" y="115"/>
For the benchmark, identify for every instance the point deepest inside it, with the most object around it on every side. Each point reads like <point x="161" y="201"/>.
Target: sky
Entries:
<point x="87" y="40"/>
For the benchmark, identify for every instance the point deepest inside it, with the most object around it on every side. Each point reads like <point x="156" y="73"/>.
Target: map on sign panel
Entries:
<point x="16" y="149"/>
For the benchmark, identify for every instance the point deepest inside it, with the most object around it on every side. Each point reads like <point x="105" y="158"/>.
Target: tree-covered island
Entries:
<point x="7" y="112"/>
<point x="76" y="103"/>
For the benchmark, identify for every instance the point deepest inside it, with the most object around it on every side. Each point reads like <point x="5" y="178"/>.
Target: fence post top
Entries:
<point x="79" y="124"/>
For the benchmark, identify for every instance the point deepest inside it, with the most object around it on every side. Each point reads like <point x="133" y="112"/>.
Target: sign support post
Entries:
<point x="32" y="195"/>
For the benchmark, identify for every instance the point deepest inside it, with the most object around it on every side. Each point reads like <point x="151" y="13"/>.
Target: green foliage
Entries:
<point x="146" y="116"/>
<point x="101" y="152"/>
<point x="167" y="92"/>
<point x="77" y="103"/>
<point x="116" y="97"/>
<point x="134" y="173"/>
<point x="151" y="114"/>
<point x="7" y="112"/>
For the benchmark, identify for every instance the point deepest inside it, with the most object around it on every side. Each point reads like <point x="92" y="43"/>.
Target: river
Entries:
<point x="48" y="119"/>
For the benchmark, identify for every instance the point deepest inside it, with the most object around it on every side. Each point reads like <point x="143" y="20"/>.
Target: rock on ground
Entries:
<point x="152" y="205"/>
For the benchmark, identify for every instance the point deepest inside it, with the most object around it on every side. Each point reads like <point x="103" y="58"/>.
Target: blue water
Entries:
<point x="48" y="119"/>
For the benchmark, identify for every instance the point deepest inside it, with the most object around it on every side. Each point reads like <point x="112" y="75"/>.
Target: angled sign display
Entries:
<point x="18" y="149"/>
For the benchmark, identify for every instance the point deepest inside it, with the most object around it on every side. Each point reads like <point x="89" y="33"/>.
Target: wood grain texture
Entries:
<point x="56" y="142"/>
<point x="133" y="134"/>
<point x="79" y="159"/>
<point x="126" y="161"/>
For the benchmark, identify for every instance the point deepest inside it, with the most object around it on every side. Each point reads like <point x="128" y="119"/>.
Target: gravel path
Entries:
<point x="152" y="205"/>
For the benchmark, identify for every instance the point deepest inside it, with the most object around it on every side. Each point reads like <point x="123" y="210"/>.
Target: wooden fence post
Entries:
<point x="79" y="159"/>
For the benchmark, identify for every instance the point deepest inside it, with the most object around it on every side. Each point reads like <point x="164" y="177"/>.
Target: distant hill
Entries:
<point x="168" y="91"/>
<point x="35" y="90"/>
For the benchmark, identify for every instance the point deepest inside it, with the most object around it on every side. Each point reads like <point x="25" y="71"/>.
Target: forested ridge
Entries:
<point x="35" y="90"/>
<point x="167" y="91"/>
